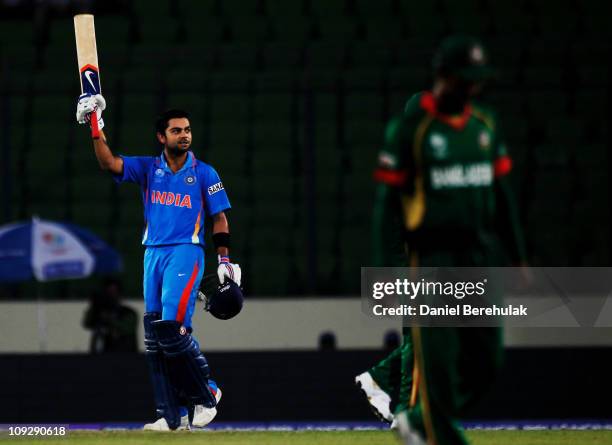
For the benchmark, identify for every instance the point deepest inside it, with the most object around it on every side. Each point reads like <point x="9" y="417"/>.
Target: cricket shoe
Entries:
<point x="162" y="425"/>
<point x="378" y="399"/>
<point x="202" y="416"/>
<point x="394" y="425"/>
<point x="408" y="435"/>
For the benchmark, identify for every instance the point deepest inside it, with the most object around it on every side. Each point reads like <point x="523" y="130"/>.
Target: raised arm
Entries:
<point x="92" y="105"/>
<point x="105" y="157"/>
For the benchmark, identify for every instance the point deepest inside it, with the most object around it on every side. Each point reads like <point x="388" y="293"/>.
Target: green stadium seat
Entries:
<point x="230" y="107"/>
<point x="563" y="130"/>
<point x="188" y="82"/>
<point x="273" y="107"/>
<point x="508" y="103"/>
<point x="297" y="30"/>
<point x="282" y="57"/>
<point x="554" y="101"/>
<point x="138" y="107"/>
<point x="552" y="154"/>
<point x="367" y="134"/>
<point x="20" y="56"/>
<point x="228" y="135"/>
<point x="53" y="108"/>
<point x="598" y="25"/>
<point x="142" y="80"/>
<point x="558" y="21"/>
<point x="336" y="30"/>
<point x="271" y="137"/>
<point x="281" y="10"/>
<point x="591" y="103"/>
<point x="366" y="105"/>
<point x="196" y="8"/>
<point x="54" y="210"/>
<point x="271" y="162"/>
<point x="368" y="57"/>
<point x="113" y="30"/>
<point x="425" y="27"/>
<point x="265" y="283"/>
<point x="159" y="29"/>
<point x="510" y="19"/>
<point x="325" y="107"/>
<point x="591" y="155"/>
<point x="250" y="29"/>
<point x="238" y="58"/>
<point x="272" y="184"/>
<point x="204" y="29"/>
<point x="594" y="75"/>
<point x="383" y="30"/>
<point x="195" y="104"/>
<point x="94" y="214"/>
<point x="61" y="33"/>
<point x="18" y="33"/>
<point x="468" y="22"/>
<point x="267" y="212"/>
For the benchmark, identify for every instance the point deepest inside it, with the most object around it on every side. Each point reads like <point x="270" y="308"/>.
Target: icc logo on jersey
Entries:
<point x="484" y="139"/>
<point x="439" y="145"/>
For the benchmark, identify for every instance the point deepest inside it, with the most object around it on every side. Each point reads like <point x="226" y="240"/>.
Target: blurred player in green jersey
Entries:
<point x="443" y="200"/>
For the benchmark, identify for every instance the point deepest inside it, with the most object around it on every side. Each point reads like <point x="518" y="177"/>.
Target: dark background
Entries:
<point x="283" y="386"/>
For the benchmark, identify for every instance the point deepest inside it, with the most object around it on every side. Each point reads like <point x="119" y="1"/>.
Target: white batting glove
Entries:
<point x="86" y="105"/>
<point x="229" y="270"/>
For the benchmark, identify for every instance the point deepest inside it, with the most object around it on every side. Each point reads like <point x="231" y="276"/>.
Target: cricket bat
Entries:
<point x="87" y="56"/>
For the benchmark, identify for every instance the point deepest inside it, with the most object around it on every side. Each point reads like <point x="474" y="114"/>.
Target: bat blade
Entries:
<point x="87" y="57"/>
<point x="87" y="53"/>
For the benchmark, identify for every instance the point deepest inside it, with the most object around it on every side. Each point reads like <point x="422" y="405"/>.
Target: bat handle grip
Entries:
<point x="95" y="129"/>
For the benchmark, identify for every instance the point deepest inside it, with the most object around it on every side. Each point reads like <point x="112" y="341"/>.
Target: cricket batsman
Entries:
<point x="443" y="200"/>
<point x="178" y="192"/>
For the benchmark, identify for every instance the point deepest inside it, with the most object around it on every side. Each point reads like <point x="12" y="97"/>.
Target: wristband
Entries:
<point x="221" y="239"/>
<point x="223" y="259"/>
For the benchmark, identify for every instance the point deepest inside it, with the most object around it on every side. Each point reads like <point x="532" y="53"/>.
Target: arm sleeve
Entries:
<point x="391" y="176"/>
<point x="507" y="215"/>
<point x="134" y="169"/>
<point x="215" y="197"/>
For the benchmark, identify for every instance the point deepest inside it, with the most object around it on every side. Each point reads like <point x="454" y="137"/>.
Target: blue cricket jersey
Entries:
<point x="175" y="204"/>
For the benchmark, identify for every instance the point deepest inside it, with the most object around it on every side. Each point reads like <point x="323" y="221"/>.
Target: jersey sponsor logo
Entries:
<point x="190" y="180"/>
<point x="170" y="199"/>
<point x="215" y="188"/>
<point x="458" y="176"/>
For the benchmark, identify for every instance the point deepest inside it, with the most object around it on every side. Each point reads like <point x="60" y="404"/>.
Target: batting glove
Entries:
<point x="86" y="105"/>
<point x="229" y="270"/>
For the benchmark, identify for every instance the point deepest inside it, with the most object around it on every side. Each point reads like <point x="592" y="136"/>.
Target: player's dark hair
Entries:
<point x="161" y="124"/>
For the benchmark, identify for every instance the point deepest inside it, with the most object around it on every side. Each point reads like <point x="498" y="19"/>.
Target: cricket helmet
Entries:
<point x="464" y="57"/>
<point x="223" y="301"/>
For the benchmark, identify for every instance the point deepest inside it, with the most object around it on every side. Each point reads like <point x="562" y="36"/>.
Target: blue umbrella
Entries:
<point x="47" y="250"/>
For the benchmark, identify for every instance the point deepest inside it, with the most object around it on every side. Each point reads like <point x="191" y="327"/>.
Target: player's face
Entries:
<point x="178" y="135"/>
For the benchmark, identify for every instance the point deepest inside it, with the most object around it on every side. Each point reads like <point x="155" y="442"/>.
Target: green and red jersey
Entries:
<point x="446" y="172"/>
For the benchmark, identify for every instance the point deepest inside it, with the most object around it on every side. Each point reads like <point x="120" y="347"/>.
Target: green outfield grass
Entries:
<point x="310" y="437"/>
